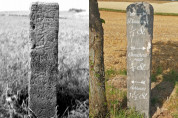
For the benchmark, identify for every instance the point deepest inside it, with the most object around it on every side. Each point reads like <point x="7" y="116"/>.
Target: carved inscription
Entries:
<point x="139" y="39"/>
<point x="44" y="26"/>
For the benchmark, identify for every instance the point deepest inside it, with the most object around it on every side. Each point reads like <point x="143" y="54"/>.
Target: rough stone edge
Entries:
<point x="150" y="9"/>
<point x="29" y="73"/>
<point x="144" y="3"/>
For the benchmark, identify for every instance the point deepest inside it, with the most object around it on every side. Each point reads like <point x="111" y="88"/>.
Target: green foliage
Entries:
<point x="102" y="20"/>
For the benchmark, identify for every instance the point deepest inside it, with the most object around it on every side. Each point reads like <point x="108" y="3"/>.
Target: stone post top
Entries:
<point x="139" y="5"/>
<point x="45" y="4"/>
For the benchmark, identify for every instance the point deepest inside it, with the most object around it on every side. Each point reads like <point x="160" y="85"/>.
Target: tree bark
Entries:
<point x="98" y="103"/>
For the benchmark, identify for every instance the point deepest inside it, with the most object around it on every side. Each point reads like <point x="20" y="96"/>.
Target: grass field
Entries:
<point x="164" y="63"/>
<point x="73" y="59"/>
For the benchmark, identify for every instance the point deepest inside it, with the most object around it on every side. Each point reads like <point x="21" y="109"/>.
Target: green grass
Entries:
<point x="113" y="72"/>
<point x="177" y="88"/>
<point x="173" y="103"/>
<point x="154" y="75"/>
<point x="117" y="104"/>
<point x="171" y="76"/>
<point x="117" y="98"/>
<point x="113" y="10"/>
<point x="166" y="14"/>
<point x="124" y="11"/>
<point x="154" y="101"/>
<point x="123" y="72"/>
<point x="109" y="73"/>
<point x="153" y="78"/>
<point x="126" y="113"/>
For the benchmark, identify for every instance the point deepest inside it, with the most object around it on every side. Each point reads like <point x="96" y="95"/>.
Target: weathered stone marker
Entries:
<point x="139" y="52"/>
<point x="44" y="25"/>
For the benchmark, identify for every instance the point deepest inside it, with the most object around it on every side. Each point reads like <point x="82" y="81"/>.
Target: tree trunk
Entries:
<point x="98" y="104"/>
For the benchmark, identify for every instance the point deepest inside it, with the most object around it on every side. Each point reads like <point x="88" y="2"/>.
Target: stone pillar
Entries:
<point x="139" y="53"/>
<point x="44" y="26"/>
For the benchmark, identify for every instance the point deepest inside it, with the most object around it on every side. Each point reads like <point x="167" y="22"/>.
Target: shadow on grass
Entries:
<point x="165" y="55"/>
<point x="161" y="92"/>
<point x="165" y="70"/>
<point x="73" y="92"/>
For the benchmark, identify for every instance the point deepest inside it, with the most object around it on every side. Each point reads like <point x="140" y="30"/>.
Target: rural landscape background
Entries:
<point x="15" y="48"/>
<point x="164" y="86"/>
<point x="73" y="62"/>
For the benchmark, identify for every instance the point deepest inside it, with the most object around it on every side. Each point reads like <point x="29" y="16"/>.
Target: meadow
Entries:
<point x="15" y="48"/>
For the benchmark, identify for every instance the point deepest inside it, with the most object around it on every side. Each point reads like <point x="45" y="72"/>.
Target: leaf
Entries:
<point x="102" y="20"/>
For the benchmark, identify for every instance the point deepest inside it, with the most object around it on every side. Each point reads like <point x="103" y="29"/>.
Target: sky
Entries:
<point x="24" y="5"/>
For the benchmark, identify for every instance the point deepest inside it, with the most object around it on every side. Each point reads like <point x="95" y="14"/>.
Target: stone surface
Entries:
<point x="44" y="25"/>
<point x="139" y="53"/>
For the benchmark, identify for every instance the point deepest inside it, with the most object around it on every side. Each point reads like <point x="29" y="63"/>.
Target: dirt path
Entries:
<point x="169" y="7"/>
